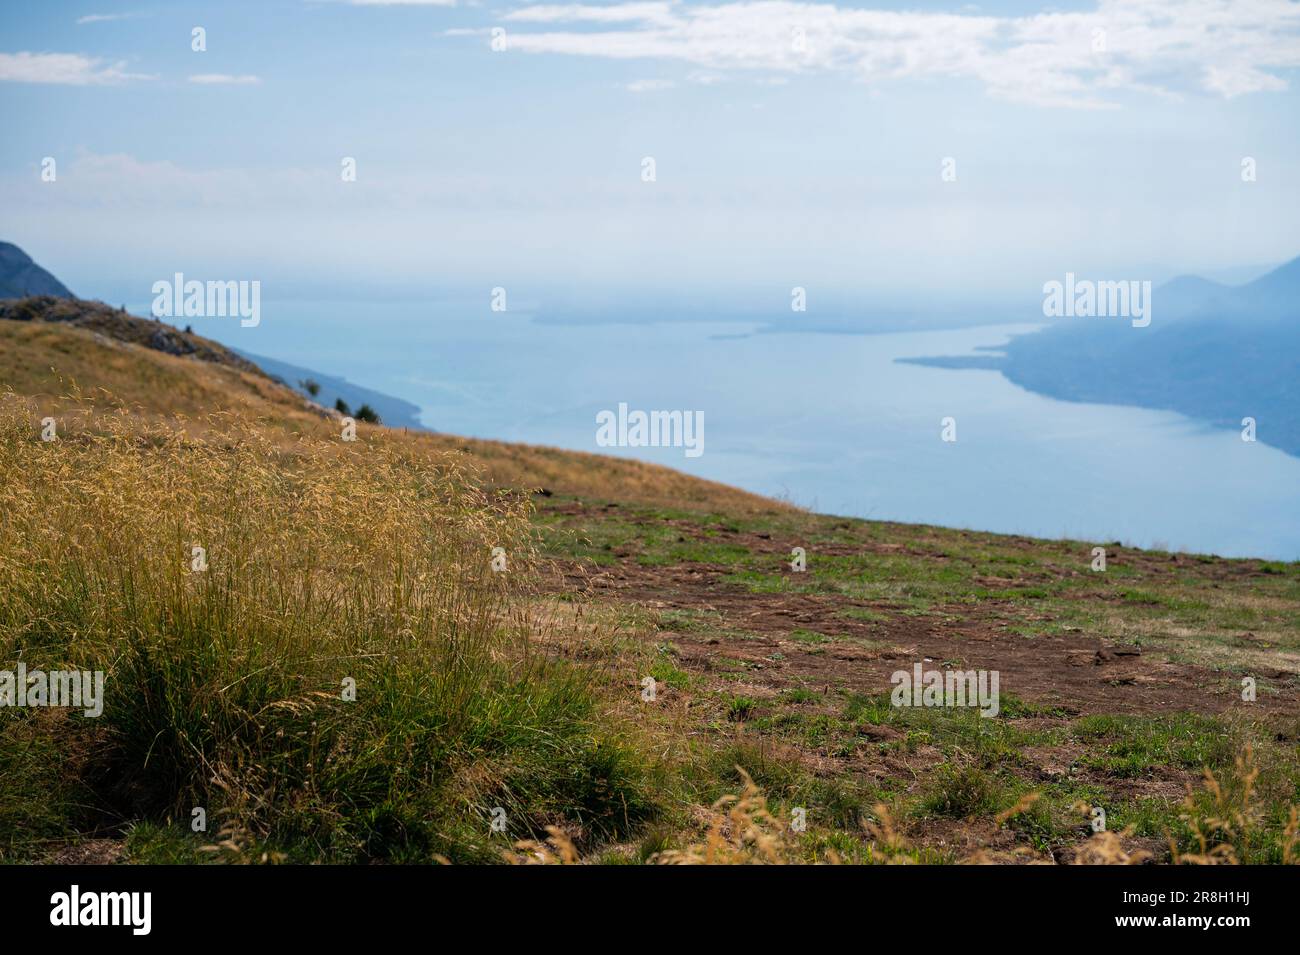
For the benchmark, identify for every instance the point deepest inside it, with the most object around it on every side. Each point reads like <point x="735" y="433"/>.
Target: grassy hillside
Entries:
<point x="55" y="362"/>
<point x="520" y="694"/>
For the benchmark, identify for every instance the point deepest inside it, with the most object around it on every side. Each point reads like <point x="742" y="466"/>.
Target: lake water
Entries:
<point x="829" y="421"/>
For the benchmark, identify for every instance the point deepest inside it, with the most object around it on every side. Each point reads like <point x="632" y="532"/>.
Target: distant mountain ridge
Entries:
<point x="28" y="293"/>
<point x="395" y="412"/>
<point x="20" y="276"/>
<point x="1273" y="296"/>
<point x="1220" y="353"/>
<point x="120" y="326"/>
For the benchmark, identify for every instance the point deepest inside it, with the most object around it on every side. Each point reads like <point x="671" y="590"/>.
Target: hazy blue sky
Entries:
<point x="782" y="158"/>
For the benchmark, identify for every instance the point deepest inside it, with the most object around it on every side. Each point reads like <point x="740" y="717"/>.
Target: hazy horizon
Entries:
<point x="793" y="145"/>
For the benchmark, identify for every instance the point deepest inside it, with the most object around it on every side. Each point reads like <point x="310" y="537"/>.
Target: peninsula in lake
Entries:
<point x="1215" y="352"/>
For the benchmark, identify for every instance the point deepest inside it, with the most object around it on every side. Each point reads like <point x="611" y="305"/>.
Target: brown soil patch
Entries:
<point x="1080" y="673"/>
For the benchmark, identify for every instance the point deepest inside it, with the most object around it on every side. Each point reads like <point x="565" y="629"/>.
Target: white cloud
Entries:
<point x="705" y="78"/>
<point x="67" y="69"/>
<point x="1231" y="81"/>
<point x="93" y="180"/>
<point x="225" y="79"/>
<point x="650" y="86"/>
<point x="1075" y="59"/>
<point x="121" y="181"/>
<point x="105" y="17"/>
<point x="661" y="13"/>
<point x="402" y="3"/>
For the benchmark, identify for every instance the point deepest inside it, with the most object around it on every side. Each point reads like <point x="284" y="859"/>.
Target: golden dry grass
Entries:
<point x="66" y="369"/>
<point x="340" y="671"/>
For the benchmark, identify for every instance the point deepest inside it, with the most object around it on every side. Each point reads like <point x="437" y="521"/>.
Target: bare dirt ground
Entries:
<point x="1079" y="673"/>
<point x="818" y="648"/>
